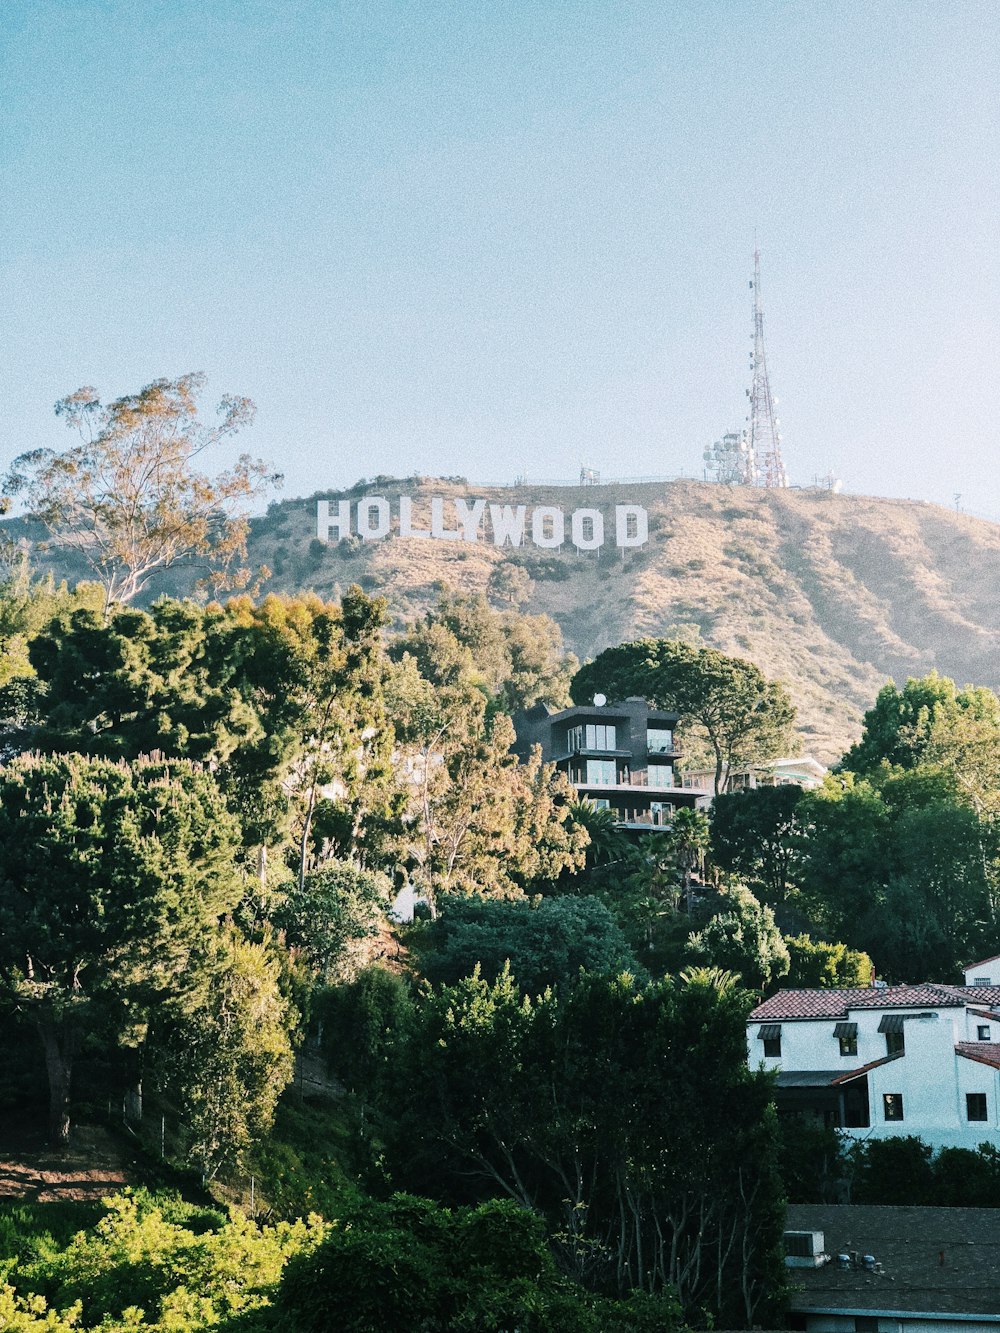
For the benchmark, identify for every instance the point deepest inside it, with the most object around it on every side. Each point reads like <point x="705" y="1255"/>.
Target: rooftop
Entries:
<point x="834" y="1003"/>
<point x="935" y="1260"/>
<point x="983" y="1052"/>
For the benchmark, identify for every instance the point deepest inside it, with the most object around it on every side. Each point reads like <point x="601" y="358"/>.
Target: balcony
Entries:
<point x="626" y="782"/>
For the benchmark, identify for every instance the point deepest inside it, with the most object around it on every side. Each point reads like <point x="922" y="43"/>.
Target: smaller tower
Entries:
<point x="763" y="462"/>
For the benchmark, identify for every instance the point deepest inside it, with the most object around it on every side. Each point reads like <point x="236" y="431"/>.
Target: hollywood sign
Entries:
<point x="371" y="519"/>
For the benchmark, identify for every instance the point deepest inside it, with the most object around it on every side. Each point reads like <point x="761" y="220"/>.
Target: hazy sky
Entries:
<point x="492" y="237"/>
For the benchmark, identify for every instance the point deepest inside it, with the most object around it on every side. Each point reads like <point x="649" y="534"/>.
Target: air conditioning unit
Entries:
<point x="804" y="1249"/>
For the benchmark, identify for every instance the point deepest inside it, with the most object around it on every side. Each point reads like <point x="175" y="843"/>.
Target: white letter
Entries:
<point x="508" y="524"/>
<point x="596" y="539"/>
<point x="470" y="518"/>
<point x="638" y="515"/>
<point x="381" y="508"/>
<point x="341" y="524"/>
<point x="438" y="528"/>
<point x="406" y="528"/>
<point x="548" y="514"/>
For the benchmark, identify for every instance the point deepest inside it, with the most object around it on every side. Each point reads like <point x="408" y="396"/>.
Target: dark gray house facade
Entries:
<point x="621" y="757"/>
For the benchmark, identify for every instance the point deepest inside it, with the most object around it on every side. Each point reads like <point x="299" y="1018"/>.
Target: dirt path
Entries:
<point x="93" y="1165"/>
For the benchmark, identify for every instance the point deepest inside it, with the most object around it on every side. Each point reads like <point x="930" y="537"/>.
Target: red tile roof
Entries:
<point x="836" y="1003"/>
<point x="863" y="1069"/>
<point x="983" y="1052"/>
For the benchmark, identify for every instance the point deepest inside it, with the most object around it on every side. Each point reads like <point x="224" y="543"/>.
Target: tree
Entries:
<point x="284" y="699"/>
<point x="899" y="728"/>
<point x="755" y="834"/>
<point x="546" y="942"/>
<point x="113" y="879"/>
<point x="479" y="821"/>
<point x="745" y="940"/>
<point x="128" y="498"/>
<point x="409" y="1263"/>
<point x="333" y="911"/>
<point x="815" y="964"/>
<point x="227" y="1058"/>
<point x="516" y="660"/>
<point x="744" y="717"/>
<point x="559" y="1104"/>
<point x="901" y="866"/>
<point x="689" y="839"/>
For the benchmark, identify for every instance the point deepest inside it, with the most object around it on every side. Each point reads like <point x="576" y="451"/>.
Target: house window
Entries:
<point x="601" y="803"/>
<point x="981" y="981"/>
<point x="983" y="1032"/>
<point x="770" y="1035"/>
<point x="660" y="812"/>
<point x="601" y="736"/>
<point x="659" y="740"/>
<point x="660" y="775"/>
<point x="891" y="1026"/>
<point x="847" y="1035"/>
<point x="601" y="772"/>
<point x="892" y="1106"/>
<point x="975" y="1106"/>
<point x="865" y="1323"/>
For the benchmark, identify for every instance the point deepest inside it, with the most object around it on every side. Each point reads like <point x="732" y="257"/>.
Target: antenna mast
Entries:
<point x="762" y="461"/>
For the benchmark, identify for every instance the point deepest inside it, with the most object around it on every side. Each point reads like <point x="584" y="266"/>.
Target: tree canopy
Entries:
<point x="128" y="498"/>
<point x="113" y="879"/>
<point x="744" y="717"/>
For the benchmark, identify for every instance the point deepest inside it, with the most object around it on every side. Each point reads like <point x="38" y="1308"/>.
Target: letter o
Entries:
<point x="596" y="539"/>
<point x="548" y="514"/>
<point x="381" y="528"/>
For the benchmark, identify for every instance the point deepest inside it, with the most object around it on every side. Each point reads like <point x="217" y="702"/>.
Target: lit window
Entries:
<point x="983" y="1032"/>
<point x="892" y="1105"/>
<point x="849" y="1045"/>
<point x="975" y="1105"/>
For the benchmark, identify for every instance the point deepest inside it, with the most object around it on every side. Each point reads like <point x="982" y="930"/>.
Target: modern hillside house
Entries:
<point x="620" y="757"/>
<point x="882" y="1061"/>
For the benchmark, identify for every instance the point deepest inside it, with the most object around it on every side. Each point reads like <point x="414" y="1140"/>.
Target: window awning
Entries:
<point x="846" y="1030"/>
<point x="768" y="1031"/>
<point x="891" y="1023"/>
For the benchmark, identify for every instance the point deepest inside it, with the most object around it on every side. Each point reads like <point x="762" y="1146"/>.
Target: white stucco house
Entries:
<point x="881" y="1061"/>
<point x="804" y="771"/>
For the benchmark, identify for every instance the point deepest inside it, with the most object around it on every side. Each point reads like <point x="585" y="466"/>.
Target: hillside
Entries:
<point x="834" y="594"/>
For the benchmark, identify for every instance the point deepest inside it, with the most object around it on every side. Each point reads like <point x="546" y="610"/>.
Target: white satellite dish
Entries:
<point x="600" y="700"/>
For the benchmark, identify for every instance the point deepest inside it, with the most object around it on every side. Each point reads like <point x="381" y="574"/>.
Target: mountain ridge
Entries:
<point x="833" y="594"/>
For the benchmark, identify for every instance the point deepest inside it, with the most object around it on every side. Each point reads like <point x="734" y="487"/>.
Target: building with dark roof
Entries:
<point x="620" y="757"/>
<point x="894" y="1270"/>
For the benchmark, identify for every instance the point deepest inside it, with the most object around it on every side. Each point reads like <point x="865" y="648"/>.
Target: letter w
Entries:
<point x="508" y="524"/>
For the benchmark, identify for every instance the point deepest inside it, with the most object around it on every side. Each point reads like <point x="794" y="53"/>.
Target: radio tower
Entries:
<point x="763" y="465"/>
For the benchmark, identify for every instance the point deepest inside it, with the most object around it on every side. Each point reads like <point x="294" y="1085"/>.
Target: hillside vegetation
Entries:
<point x="834" y="594"/>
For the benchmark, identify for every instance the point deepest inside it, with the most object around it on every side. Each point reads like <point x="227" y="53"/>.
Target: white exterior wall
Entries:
<point x="990" y="968"/>
<point x="809" y="1043"/>
<point x="931" y="1076"/>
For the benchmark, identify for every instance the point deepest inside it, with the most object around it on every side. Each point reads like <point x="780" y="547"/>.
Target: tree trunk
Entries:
<point x="59" y="1050"/>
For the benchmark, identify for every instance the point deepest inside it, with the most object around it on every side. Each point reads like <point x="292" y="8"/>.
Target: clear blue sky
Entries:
<point x="488" y="237"/>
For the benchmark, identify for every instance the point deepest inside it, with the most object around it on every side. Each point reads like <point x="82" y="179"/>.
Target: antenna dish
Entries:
<point x="600" y="700"/>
